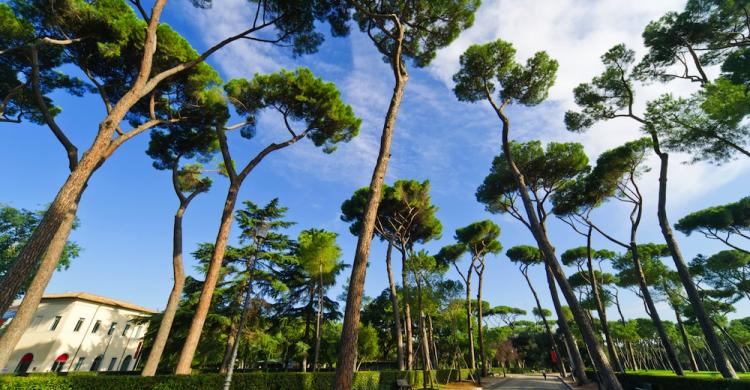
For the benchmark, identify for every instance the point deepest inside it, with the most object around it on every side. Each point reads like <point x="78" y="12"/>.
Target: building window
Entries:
<point x="112" y="329"/>
<point x="112" y="364"/>
<point x="125" y="331"/>
<point x="97" y="324"/>
<point x="79" y="363"/>
<point x="79" y="324"/>
<point x="55" y="322"/>
<point x="57" y="366"/>
<point x="126" y="363"/>
<point x="97" y="362"/>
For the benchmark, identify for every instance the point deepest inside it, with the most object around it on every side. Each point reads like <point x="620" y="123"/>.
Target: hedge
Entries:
<point x="363" y="380"/>
<point x="658" y="382"/>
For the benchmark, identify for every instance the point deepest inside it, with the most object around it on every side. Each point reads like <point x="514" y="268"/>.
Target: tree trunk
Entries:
<point x="560" y="365"/>
<point x="712" y="339"/>
<point x="319" y="317"/>
<point x="482" y="357"/>
<point x="212" y="277"/>
<point x="433" y="345"/>
<point x="48" y="234"/>
<point x="685" y="341"/>
<point x="426" y="365"/>
<point x="35" y="291"/>
<point x="600" y="309"/>
<point x="308" y="319"/>
<point x="396" y="309"/>
<point x="160" y="341"/>
<point x="609" y="380"/>
<point x="233" y="332"/>
<point x="348" y="350"/>
<point x="575" y="354"/>
<point x="409" y="329"/>
<point x="469" y="327"/>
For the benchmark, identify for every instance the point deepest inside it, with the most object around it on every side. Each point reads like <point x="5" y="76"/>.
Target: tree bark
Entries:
<point x="319" y="318"/>
<point x="35" y="291"/>
<point x="609" y="380"/>
<point x="560" y="365"/>
<point x="409" y="328"/>
<point x="233" y="333"/>
<point x="469" y="327"/>
<point x="396" y="309"/>
<point x="722" y="362"/>
<point x="46" y="236"/>
<point x="160" y="341"/>
<point x="579" y="368"/>
<point x="685" y="341"/>
<point x="348" y="350"/>
<point x="480" y="331"/>
<point x="212" y="277"/>
<point x="601" y="310"/>
<point x="669" y="349"/>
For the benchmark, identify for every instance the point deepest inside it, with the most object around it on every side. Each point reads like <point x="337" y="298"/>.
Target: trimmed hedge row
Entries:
<point x="363" y="380"/>
<point x="636" y="381"/>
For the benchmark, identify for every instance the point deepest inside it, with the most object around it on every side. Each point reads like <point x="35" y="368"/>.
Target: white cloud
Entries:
<point x="576" y="35"/>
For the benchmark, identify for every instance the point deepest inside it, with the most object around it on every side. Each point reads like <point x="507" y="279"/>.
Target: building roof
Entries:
<point x="84" y="296"/>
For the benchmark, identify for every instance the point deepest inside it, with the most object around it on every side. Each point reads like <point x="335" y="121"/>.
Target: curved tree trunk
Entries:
<point x="669" y="349"/>
<point x="348" y="350"/>
<point x="553" y="343"/>
<point x="712" y="339"/>
<point x="396" y="310"/>
<point x="35" y="291"/>
<point x="609" y="380"/>
<point x="47" y="234"/>
<point x="600" y="309"/>
<point x="469" y="327"/>
<point x="227" y="360"/>
<point x="480" y="331"/>
<point x="212" y="277"/>
<point x="575" y="354"/>
<point x="408" y="327"/>
<point x="426" y="364"/>
<point x="160" y="341"/>
<point x="685" y="341"/>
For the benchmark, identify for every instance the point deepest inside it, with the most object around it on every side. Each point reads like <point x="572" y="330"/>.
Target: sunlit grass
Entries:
<point x="700" y="374"/>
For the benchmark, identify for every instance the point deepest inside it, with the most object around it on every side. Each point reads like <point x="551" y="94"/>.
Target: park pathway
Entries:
<point x="526" y="382"/>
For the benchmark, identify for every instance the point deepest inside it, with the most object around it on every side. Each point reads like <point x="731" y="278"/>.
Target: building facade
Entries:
<point x="81" y="332"/>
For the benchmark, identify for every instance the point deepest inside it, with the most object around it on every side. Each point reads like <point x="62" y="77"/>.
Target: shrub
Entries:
<point x="662" y="382"/>
<point x="363" y="380"/>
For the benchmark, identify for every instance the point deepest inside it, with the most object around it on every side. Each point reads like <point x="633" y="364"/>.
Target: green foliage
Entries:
<point x="650" y="256"/>
<point x="615" y="170"/>
<point x="427" y="26"/>
<point x="367" y="344"/>
<point x="728" y="271"/>
<point x="295" y="21"/>
<point x="16" y="226"/>
<point x="318" y="252"/>
<point x="525" y="254"/>
<point x="480" y="238"/>
<point x="405" y="214"/>
<point x="606" y="94"/>
<point x="491" y="68"/>
<point x="718" y="222"/>
<point x="545" y="171"/>
<point x="685" y="125"/>
<point x="301" y="97"/>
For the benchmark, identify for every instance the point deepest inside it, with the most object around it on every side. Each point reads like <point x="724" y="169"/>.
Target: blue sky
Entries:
<point x="126" y="213"/>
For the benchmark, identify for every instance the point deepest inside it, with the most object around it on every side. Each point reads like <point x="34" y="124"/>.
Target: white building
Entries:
<point x="80" y="332"/>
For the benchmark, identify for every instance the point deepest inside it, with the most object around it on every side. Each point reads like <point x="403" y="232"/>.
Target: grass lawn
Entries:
<point x="700" y="374"/>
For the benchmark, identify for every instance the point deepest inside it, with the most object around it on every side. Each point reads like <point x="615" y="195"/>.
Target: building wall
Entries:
<point x="83" y="345"/>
